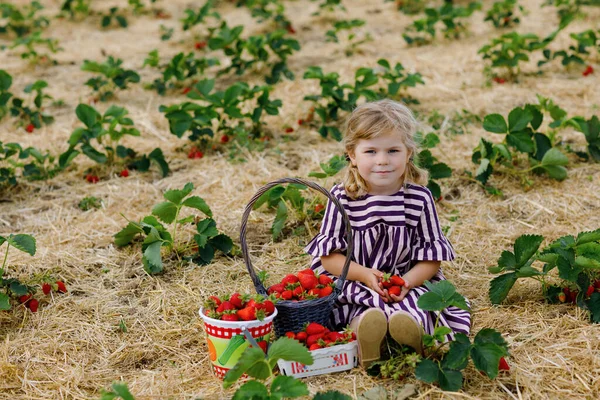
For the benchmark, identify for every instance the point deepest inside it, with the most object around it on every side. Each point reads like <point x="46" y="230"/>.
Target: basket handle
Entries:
<point x="257" y="283"/>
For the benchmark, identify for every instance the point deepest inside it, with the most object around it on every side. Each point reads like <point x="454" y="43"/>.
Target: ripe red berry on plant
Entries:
<point x="194" y="153"/>
<point x="29" y="128"/>
<point x="124" y="173"/>
<point x="588" y="71"/>
<point x="239" y="307"/>
<point x="305" y="285"/>
<point x="91" y="178"/>
<point x="316" y="336"/>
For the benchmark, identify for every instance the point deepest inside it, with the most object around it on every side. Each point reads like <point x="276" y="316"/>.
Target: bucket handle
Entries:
<point x="249" y="337"/>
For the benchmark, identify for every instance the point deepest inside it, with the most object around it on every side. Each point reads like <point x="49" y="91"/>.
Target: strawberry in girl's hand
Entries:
<point x="395" y="290"/>
<point x="33" y="305"/>
<point x="46" y="288"/>
<point x="124" y="173"/>
<point x="61" y="288"/>
<point x="396" y="280"/>
<point x="588" y="71"/>
<point x="29" y="128"/>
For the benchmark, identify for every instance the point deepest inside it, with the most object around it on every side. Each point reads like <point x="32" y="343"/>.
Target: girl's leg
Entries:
<point x="370" y="328"/>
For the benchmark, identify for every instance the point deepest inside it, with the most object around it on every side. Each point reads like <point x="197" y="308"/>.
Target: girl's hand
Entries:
<point x="403" y="291"/>
<point x="371" y="280"/>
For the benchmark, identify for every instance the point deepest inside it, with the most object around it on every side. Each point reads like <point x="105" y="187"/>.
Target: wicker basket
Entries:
<point x="292" y="315"/>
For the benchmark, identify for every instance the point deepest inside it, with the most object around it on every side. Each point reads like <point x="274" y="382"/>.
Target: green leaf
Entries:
<point x="486" y="357"/>
<point x="489" y="335"/>
<point x="521" y="141"/>
<point x="507" y="260"/>
<point x="331" y="395"/>
<point x="88" y="115"/>
<point x="427" y="371"/>
<point x="122" y="391"/>
<point x="175" y="195"/>
<point x="450" y="380"/>
<point x="23" y="242"/>
<point x="199" y="204"/>
<point x="166" y="211"/>
<point x="586" y="237"/>
<point x="4" y="301"/>
<point x="566" y="270"/>
<point x="207" y="227"/>
<point x="457" y="356"/>
<point x="288" y="349"/>
<point x="586" y="262"/>
<point x="152" y="258"/>
<point x="593" y="305"/>
<point x="518" y="119"/>
<point x="126" y="235"/>
<point x="280" y="218"/>
<point x="495" y="123"/>
<point x="554" y="157"/>
<point x="527" y="272"/>
<point x="288" y="387"/>
<point x="525" y="247"/>
<point x="252" y="390"/>
<point x="94" y="154"/>
<point x="556" y="172"/>
<point x="441" y="296"/>
<point x="222" y="242"/>
<point x="18" y="288"/>
<point x="250" y="357"/>
<point x="500" y="286"/>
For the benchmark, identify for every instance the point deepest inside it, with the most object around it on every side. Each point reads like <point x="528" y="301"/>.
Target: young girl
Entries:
<point x="395" y="230"/>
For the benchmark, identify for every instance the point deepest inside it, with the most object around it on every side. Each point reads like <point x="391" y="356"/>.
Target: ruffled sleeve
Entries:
<point x="430" y="243"/>
<point x="331" y="236"/>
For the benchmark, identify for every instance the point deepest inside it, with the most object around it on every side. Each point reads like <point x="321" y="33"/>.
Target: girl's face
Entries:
<point x="381" y="162"/>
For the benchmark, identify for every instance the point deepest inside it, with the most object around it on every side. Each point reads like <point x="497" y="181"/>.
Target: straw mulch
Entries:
<point x="73" y="346"/>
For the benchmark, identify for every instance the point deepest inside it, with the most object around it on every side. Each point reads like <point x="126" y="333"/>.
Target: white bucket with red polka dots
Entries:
<point x="226" y="341"/>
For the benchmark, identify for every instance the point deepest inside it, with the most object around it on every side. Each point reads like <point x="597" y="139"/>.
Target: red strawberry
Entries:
<point x="278" y="288"/>
<point x="315" y="292"/>
<point x="326" y="291"/>
<point x="301" y="336"/>
<point x="224" y="139"/>
<point x="503" y="365"/>
<point x="597" y="284"/>
<point x="499" y="80"/>
<point x="297" y="292"/>
<point x="237" y="300"/>
<point x="29" y="128"/>
<point x="325" y="280"/>
<point x="230" y="317"/>
<point x="24" y="298"/>
<point x="290" y="278"/>
<point x="306" y="271"/>
<point x="315" y="346"/>
<point x="589" y="70"/>
<point x="290" y="29"/>
<point x="396" y="280"/>
<point x="573" y="296"/>
<point x="313" y="328"/>
<point x="92" y="178"/>
<point x="124" y="173"/>
<point x="395" y="290"/>
<point x="562" y="297"/>
<point x="186" y="90"/>
<point x="216" y="300"/>
<point x="385" y="281"/>
<point x="33" y="305"/>
<point x="46" y="288"/>
<point x="200" y="45"/>
<point x="335" y="336"/>
<point x="247" y="313"/>
<point x="308" y="281"/>
<point x="263" y="345"/>
<point x="269" y="307"/>
<point x="289" y="130"/>
<point x="195" y="153"/>
<point x="287" y="295"/>
<point x="61" y="287"/>
<point x="589" y="291"/>
<point x="225" y="306"/>
<point x="312" y="339"/>
<point x="300" y="121"/>
<point x="291" y="335"/>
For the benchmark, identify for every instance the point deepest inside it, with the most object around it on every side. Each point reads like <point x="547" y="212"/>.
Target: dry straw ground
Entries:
<point x="73" y="346"/>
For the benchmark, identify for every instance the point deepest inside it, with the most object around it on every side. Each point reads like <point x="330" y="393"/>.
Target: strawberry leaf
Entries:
<point x="249" y="358"/>
<point x="457" y="356"/>
<point x="521" y="141"/>
<point x="166" y="211"/>
<point x="567" y="270"/>
<point x="441" y="295"/>
<point x="332" y="395"/>
<point x="25" y="243"/>
<point x="495" y="123"/>
<point x="486" y="357"/>
<point x="199" y="204"/>
<point x="450" y="379"/>
<point x="500" y="286"/>
<point x="152" y="259"/>
<point x="252" y="390"/>
<point x="507" y="260"/>
<point x="126" y="235"/>
<point x="288" y="349"/>
<point x="593" y="305"/>
<point x="586" y="237"/>
<point x="525" y="247"/>
<point x="222" y="242"/>
<point x="518" y="119"/>
<point x="175" y="195"/>
<point x="4" y="302"/>
<point x="88" y="115"/>
<point x="207" y="227"/>
<point x="427" y="371"/>
<point x="288" y="387"/>
<point x="280" y="218"/>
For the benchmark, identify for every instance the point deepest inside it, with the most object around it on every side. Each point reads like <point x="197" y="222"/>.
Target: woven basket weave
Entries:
<point x="292" y="315"/>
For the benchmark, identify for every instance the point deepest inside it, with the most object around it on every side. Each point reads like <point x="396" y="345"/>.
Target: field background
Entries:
<point x="73" y="347"/>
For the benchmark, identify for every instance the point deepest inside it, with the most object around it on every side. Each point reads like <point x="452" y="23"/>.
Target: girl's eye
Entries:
<point x="394" y="151"/>
<point x="370" y="151"/>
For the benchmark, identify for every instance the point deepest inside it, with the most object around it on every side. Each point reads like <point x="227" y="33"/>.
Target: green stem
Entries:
<point x="5" y="258"/>
<point x="175" y="230"/>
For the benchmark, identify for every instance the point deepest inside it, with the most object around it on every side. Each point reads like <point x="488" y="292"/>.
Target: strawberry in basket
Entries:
<point x="239" y="307"/>
<point x="305" y="285"/>
<point x="316" y="336"/>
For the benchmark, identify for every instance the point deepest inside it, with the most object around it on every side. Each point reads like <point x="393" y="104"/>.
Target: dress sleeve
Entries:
<point x="331" y="237"/>
<point x="430" y="243"/>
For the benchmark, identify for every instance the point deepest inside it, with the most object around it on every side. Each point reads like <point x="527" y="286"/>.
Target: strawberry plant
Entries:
<point x="423" y="31"/>
<point x="32" y="44"/>
<point x="333" y="166"/>
<point x="454" y="124"/>
<point x="111" y="127"/>
<point x="5" y="95"/>
<point x="352" y="41"/>
<point x="265" y="10"/>
<point x="577" y="260"/>
<point x="520" y="137"/>
<point x="12" y="286"/>
<point x="156" y="236"/>
<point x="31" y="162"/>
<point x="23" y="21"/>
<point x="329" y="6"/>
<point x="503" y="13"/>
<point x="118" y="390"/>
<point x="75" y="8"/>
<point x="487" y="350"/>
<point x="591" y="130"/>
<point x="410" y="7"/>
<point x="398" y="80"/>
<point x="33" y="115"/>
<point x="577" y="53"/>
<point x="426" y="160"/>
<point x="180" y="69"/>
<point x="194" y="18"/>
<point x="113" y="15"/>
<point x="225" y="107"/>
<point x="89" y="202"/>
<point x="112" y="77"/>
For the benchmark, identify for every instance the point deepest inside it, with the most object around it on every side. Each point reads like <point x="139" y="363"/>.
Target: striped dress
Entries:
<point x="391" y="233"/>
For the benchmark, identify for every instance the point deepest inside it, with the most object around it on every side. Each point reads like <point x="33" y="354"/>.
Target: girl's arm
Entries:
<point x="334" y="264"/>
<point x="419" y="273"/>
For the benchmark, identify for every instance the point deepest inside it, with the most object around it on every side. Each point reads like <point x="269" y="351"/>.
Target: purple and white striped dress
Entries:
<point x="391" y="233"/>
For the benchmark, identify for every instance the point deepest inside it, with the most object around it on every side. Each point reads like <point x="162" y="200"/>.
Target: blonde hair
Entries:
<point x="374" y="119"/>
